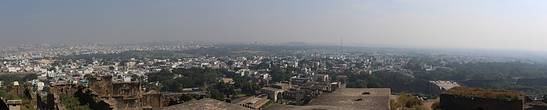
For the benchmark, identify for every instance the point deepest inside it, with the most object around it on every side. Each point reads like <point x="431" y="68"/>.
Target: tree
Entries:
<point x="72" y="103"/>
<point x="246" y="84"/>
<point x="407" y="101"/>
<point x="279" y="75"/>
<point x="220" y="90"/>
<point x="177" y="79"/>
<point x="215" y="94"/>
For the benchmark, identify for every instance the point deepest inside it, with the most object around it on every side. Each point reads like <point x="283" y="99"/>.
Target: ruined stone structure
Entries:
<point x="53" y="100"/>
<point x="151" y="100"/>
<point x="295" y="96"/>
<point x="119" y="95"/>
<point x="126" y="95"/>
<point x="130" y="96"/>
<point x="455" y="102"/>
<point x="64" y="89"/>
<point x="168" y="99"/>
<point x="460" y="98"/>
<point x="15" y="89"/>
<point x="14" y="104"/>
<point x="254" y="102"/>
<point x="273" y="93"/>
<point x="101" y="85"/>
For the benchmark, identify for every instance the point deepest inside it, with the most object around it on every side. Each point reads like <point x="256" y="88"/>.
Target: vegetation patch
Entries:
<point x="484" y="93"/>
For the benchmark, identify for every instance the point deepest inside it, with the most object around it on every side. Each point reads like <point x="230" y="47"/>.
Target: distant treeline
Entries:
<point x="528" y="78"/>
<point x="524" y="77"/>
<point x="485" y="71"/>
<point x="204" y="79"/>
<point x="398" y="82"/>
<point x="160" y="54"/>
<point x="7" y="78"/>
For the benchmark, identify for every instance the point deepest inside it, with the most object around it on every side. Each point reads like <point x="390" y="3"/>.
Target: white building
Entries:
<point x="14" y="69"/>
<point x="40" y="86"/>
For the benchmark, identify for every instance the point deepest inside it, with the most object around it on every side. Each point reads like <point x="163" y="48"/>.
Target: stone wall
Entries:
<point x="102" y="86"/>
<point x="128" y="95"/>
<point x="455" y="102"/>
<point x="151" y="100"/>
<point x="125" y="89"/>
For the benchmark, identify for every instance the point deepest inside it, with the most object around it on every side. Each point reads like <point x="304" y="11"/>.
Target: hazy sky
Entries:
<point x="498" y="24"/>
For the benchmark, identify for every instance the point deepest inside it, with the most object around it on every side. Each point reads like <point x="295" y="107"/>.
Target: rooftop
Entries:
<point x="205" y="104"/>
<point x="254" y="102"/>
<point x="484" y="93"/>
<point x="346" y="99"/>
<point x="14" y="102"/>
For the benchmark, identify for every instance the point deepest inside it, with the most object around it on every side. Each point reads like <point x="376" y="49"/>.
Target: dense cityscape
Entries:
<point x="197" y="75"/>
<point x="273" y="55"/>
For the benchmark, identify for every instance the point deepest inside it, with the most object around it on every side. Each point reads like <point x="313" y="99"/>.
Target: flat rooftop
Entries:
<point x="345" y="99"/>
<point x="484" y="93"/>
<point x="255" y="102"/>
<point x="205" y="104"/>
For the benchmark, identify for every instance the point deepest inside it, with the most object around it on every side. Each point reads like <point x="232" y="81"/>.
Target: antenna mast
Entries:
<point x="341" y="46"/>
